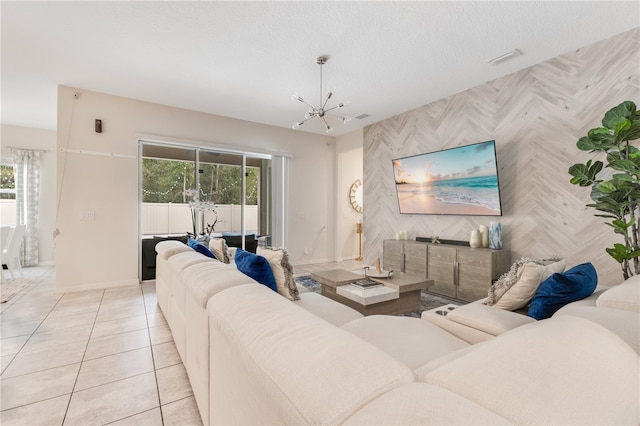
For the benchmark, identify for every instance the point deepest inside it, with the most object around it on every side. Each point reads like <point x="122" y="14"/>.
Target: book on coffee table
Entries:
<point x="366" y="283"/>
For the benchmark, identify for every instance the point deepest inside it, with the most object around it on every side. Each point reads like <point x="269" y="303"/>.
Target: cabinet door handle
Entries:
<point x="402" y="262"/>
<point x="455" y="273"/>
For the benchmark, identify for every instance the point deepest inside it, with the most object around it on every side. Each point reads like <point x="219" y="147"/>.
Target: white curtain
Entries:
<point x="27" y="179"/>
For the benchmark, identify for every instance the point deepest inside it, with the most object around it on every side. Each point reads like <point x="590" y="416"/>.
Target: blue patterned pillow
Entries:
<point x="256" y="267"/>
<point x="200" y="248"/>
<point x="560" y="289"/>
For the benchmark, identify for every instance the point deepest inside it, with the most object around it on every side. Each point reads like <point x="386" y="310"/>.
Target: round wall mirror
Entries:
<point x="355" y="195"/>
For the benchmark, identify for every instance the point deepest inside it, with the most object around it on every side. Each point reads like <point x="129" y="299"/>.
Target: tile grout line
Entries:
<point x="34" y="331"/>
<point x="153" y="358"/>
<point x="66" y="411"/>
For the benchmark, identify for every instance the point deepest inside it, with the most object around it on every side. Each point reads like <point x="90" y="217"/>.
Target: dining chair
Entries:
<point x="11" y="254"/>
<point x="5" y="232"/>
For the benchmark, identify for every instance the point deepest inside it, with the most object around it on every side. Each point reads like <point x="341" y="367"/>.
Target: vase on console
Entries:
<point x="475" y="240"/>
<point x="484" y="235"/>
<point x="495" y="235"/>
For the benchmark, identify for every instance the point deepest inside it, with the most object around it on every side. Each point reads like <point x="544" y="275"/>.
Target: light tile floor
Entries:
<point x="89" y="358"/>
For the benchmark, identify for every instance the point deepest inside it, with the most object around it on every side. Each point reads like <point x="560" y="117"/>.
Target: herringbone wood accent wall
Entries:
<point x="535" y="116"/>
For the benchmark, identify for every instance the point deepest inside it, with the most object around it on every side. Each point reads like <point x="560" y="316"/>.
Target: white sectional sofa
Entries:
<point x="254" y="357"/>
<point x="186" y="281"/>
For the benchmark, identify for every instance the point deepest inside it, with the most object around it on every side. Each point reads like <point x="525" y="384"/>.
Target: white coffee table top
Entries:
<point x="367" y="296"/>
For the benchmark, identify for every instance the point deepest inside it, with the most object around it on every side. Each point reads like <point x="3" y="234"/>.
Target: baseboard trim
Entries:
<point x="104" y="285"/>
<point x="312" y="262"/>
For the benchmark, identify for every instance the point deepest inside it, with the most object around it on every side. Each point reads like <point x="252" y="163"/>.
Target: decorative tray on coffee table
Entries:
<point x="373" y="274"/>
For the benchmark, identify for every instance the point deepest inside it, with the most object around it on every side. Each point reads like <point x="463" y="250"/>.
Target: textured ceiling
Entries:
<point x="246" y="59"/>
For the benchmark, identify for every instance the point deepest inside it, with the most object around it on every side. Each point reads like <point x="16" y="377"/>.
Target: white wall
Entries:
<point x="104" y="252"/>
<point x="41" y="139"/>
<point x="349" y="152"/>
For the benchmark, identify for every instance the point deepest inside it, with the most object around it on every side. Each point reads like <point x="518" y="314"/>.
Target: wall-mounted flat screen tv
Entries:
<point x="457" y="181"/>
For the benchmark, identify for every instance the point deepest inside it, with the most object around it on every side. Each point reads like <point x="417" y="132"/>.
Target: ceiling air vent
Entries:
<point x="362" y="116"/>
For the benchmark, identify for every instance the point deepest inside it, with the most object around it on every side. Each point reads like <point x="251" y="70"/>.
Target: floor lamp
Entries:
<point x="359" y="232"/>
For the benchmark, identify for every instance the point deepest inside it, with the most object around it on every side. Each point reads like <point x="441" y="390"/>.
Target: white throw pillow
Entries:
<point x="282" y="271"/>
<point x="219" y="248"/>
<point x="625" y="296"/>
<point x="530" y="275"/>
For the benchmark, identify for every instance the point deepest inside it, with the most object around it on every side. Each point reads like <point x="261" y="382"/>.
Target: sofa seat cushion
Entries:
<point x="624" y="296"/>
<point x="275" y="363"/>
<point x="564" y="370"/>
<point x="166" y="249"/>
<point x="330" y="310"/>
<point x="206" y="280"/>
<point x="424" y="404"/>
<point x="488" y="319"/>
<point x="412" y="341"/>
<point x="624" y="324"/>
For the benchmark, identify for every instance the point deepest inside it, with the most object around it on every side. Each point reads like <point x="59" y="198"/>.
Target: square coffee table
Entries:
<point x="399" y="294"/>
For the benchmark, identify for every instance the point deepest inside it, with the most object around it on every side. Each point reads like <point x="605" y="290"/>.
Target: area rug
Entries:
<point x="428" y="300"/>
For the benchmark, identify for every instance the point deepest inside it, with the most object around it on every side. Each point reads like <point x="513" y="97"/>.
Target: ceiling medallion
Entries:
<point x="320" y="112"/>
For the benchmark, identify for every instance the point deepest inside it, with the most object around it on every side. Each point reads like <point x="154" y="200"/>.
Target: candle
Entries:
<point x="378" y="265"/>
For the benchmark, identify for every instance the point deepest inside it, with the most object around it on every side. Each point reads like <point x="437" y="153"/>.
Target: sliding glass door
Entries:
<point x="203" y="193"/>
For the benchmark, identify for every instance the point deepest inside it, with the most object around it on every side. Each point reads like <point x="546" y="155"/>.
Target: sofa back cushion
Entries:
<point x="166" y="249"/>
<point x="424" y="404"/>
<point x="273" y="362"/>
<point x="560" y="289"/>
<point x="625" y="296"/>
<point x="564" y="370"/>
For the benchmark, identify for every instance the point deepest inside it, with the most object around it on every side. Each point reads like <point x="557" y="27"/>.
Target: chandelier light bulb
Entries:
<point x="295" y="125"/>
<point x="329" y="129"/>
<point x="346" y="120"/>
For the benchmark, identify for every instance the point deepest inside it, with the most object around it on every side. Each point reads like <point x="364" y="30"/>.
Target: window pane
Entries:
<point x="7" y="182"/>
<point x="164" y="181"/>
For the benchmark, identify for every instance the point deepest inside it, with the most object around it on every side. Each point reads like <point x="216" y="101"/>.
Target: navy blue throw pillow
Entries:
<point x="256" y="267"/>
<point x="200" y="248"/>
<point x="560" y="289"/>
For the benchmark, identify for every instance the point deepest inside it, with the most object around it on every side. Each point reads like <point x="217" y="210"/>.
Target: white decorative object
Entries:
<point x="475" y="240"/>
<point x="495" y="235"/>
<point x="484" y="235"/>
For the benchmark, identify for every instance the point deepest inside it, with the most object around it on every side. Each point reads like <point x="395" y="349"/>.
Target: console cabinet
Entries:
<point x="458" y="271"/>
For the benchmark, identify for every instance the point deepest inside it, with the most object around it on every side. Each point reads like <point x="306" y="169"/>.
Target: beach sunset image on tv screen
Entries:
<point x="460" y="181"/>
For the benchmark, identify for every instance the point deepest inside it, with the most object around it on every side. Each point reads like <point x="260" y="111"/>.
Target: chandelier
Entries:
<point x="322" y="111"/>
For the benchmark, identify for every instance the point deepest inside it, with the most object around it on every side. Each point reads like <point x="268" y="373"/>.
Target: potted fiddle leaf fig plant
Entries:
<point x="615" y="188"/>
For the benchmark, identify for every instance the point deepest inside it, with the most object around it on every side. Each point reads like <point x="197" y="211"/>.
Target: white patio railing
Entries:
<point x="7" y="212"/>
<point x="169" y="218"/>
<point x="175" y="218"/>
